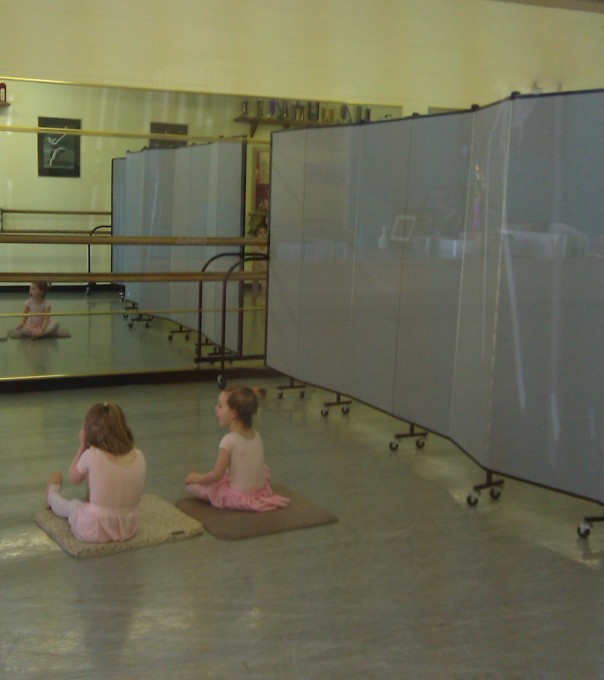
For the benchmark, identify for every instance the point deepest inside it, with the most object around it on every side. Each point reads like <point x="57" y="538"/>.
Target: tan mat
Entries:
<point x="231" y="525"/>
<point x="160" y="522"/>
<point x="59" y="333"/>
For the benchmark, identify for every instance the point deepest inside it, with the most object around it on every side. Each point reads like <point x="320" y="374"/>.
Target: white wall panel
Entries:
<point x="487" y="322"/>
<point x="382" y="230"/>
<point x="480" y="279"/>
<point x="329" y="209"/>
<point x="285" y="265"/>
<point x="191" y="191"/>
<point x="548" y="388"/>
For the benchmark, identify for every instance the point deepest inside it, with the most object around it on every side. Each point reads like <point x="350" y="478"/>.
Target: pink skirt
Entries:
<point x="93" y="524"/>
<point x="222" y="495"/>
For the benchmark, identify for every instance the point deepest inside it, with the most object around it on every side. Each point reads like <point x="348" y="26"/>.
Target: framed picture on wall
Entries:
<point x="58" y="152"/>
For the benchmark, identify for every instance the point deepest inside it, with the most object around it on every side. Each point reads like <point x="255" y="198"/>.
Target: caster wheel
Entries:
<point x="221" y="380"/>
<point x="280" y="395"/>
<point x="147" y="324"/>
<point x="393" y="445"/>
<point x="495" y="493"/>
<point x="420" y="443"/>
<point x="125" y="316"/>
<point x="302" y="394"/>
<point x="345" y="410"/>
<point x="131" y="325"/>
<point x="584" y="530"/>
<point x="187" y="336"/>
<point x="472" y="500"/>
<point x="325" y="412"/>
<point x="170" y="337"/>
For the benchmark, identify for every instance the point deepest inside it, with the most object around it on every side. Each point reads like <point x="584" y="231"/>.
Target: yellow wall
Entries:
<point x="414" y="53"/>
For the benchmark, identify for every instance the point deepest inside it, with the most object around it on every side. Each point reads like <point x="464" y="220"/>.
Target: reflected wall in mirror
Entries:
<point x="114" y="122"/>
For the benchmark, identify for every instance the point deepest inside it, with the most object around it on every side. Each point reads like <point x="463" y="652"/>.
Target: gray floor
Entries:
<point x="410" y="583"/>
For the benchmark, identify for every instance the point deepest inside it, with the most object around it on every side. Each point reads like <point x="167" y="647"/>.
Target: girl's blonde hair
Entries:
<point x="106" y="428"/>
<point x="243" y="401"/>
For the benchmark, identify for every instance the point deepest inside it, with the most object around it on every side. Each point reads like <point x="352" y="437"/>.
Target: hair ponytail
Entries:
<point x="244" y="402"/>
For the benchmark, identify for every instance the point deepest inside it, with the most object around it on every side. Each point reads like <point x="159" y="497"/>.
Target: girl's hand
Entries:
<point x="193" y="478"/>
<point x="20" y="325"/>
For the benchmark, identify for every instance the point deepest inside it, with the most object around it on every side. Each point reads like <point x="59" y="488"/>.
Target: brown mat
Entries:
<point x="160" y="522"/>
<point x="230" y="525"/>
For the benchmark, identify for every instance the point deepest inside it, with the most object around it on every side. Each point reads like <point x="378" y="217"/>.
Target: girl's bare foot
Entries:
<point x="55" y="479"/>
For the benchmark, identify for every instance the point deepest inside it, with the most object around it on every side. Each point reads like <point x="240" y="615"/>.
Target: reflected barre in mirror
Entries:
<point x="103" y="334"/>
<point x="119" y="122"/>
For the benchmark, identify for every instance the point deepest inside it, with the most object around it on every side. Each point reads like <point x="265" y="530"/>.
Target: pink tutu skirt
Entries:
<point x="91" y="523"/>
<point x="222" y="495"/>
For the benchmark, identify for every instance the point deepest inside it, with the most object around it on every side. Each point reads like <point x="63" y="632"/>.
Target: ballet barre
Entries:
<point x="119" y="277"/>
<point x="67" y="213"/>
<point x="54" y="239"/>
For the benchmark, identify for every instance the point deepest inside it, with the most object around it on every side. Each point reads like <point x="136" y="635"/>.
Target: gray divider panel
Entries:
<point x="189" y="191"/>
<point x="449" y="270"/>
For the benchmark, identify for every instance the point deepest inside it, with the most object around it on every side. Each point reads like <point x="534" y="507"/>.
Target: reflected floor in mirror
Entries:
<point x="107" y="337"/>
<point x="410" y="583"/>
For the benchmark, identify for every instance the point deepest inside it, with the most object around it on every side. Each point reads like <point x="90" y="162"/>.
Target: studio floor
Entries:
<point x="410" y="583"/>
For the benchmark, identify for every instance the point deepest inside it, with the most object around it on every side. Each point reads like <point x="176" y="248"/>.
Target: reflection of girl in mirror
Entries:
<point x="36" y="321"/>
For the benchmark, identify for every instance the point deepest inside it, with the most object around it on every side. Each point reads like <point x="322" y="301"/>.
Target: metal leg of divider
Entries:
<point x="179" y="330"/>
<point x="344" y="403"/>
<point x="585" y="528"/>
<point x="220" y="351"/>
<point x="223" y="350"/>
<point x="420" y="442"/>
<point x="292" y="386"/>
<point x="137" y="317"/>
<point x="493" y="485"/>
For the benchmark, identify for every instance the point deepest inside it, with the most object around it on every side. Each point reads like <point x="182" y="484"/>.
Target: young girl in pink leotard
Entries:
<point x="240" y="479"/>
<point x="36" y="321"/>
<point x="115" y="472"/>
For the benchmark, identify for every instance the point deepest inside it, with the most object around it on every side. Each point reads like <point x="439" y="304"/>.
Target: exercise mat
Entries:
<point x="160" y="522"/>
<point x="59" y="333"/>
<point x="231" y="525"/>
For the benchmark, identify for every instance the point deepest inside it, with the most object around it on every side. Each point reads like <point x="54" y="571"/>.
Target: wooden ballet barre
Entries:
<point x="119" y="277"/>
<point x="44" y="232"/>
<point x="25" y="211"/>
<point x="133" y="240"/>
<point x="126" y="135"/>
<point x="121" y="312"/>
<point x="15" y="211"/>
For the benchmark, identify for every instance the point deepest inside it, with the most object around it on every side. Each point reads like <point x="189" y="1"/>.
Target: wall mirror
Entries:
<point x="106" y="336"/>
